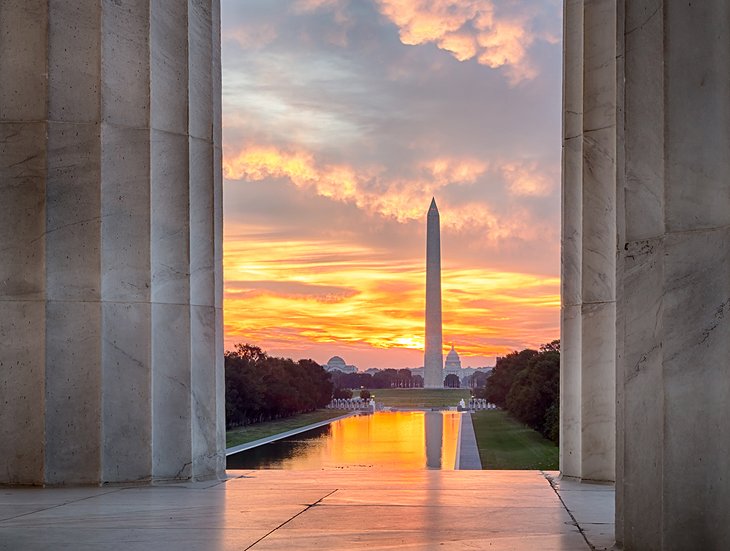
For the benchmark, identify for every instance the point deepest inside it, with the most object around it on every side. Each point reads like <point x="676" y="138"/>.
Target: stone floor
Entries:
<point x="323" y="510"/>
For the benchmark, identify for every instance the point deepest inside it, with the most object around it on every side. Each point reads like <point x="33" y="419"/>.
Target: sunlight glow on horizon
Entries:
<point x="341" y="120"/>
<point x="330" y="293"/>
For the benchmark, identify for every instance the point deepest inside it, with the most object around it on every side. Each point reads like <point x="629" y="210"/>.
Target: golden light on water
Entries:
<point x="393" y="439"/>
<point x="404" y="440"/>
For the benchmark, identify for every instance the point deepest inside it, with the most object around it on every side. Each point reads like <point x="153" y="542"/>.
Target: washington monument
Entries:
<point x="433" y="359"/>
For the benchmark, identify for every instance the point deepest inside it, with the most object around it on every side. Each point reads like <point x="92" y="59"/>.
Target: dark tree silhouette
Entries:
<point x="527" y="385"/>
<point x="260" y="387"/>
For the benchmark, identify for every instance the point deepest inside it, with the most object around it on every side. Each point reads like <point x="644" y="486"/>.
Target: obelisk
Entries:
<point x="433" y="359"/>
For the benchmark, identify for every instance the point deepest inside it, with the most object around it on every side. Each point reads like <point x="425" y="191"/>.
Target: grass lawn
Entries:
<point x="507" y="444"/>
<point x="419" y="397"/>
<point x="242" y="435"/>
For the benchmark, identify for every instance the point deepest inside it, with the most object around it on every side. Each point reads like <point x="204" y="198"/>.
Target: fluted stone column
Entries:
<point x="589" y="241"/>
<point x="110" y="235"/>
<point x="675" y="284"/>
<point x="598" y="300"/>
<point x="571" y="243"/>
<point x="671" y="62"/>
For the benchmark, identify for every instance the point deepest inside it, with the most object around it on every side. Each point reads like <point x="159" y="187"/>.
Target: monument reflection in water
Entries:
<point x="384" y="440"/>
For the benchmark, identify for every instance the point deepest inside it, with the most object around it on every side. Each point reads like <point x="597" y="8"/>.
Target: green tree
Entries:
<point x="527" y="385"/>
<point x="504" y="374"/>
<point x="342" y="393"/>
<point x="260" y="387"/>
<point x="405" y="379"/>
<point x="478" y="379"/>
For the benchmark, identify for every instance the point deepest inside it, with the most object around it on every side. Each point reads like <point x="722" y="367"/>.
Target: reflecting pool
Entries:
<point x="383" y="440"/>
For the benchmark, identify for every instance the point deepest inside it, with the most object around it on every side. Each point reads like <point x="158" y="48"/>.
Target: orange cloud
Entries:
<point x="467" y="29"/>
<point x="505" y="44"/>
<point x="337" y="182"/>
<point x="398" y="198"/>
<point x="250" y="36"/>
<point x="403" y="198"/>
<point x="527" y="179"/>
<point x="447" y="170"/>
<point x="486" y="312"/>
<point x="462" y="46"/>
<point x="422" y="21"/>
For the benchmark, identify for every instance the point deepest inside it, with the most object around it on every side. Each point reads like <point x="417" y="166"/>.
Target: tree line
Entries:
<point x="385" y="378"/>
<point x="527" y="385"/>
<point x="260" y="387"/>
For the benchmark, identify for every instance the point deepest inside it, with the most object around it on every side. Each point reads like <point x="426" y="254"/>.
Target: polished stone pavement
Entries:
<point x="323" y="510"/>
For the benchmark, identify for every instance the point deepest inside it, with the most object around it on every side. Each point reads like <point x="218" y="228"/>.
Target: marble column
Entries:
<point x="598" y="292"/>
<point x="667" y="180"/>
<point x="589" y="241"/>
<point x="571" y="242"/>
<point x="674" y="302"/>
<point x="110" y="232"/>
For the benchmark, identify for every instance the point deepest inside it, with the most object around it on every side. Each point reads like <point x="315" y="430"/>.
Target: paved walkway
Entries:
<point x="468" y="450"/>
<point x="346" y="509"/>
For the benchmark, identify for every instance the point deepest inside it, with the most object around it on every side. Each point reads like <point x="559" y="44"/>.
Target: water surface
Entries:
<point x="383" y="440"/>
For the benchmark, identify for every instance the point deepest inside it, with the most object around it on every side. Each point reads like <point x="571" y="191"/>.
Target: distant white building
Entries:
<point x="453" y="363"/>
<point x="453" y="366"/>
<point x="337" y="363"/>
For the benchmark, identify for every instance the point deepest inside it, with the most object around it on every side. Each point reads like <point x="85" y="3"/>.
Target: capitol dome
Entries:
<point x="453" y="363"/>
<point x="335" y="362"/>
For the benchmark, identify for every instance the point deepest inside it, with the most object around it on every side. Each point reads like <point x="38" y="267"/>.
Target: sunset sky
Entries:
<point x="342" y="118"/>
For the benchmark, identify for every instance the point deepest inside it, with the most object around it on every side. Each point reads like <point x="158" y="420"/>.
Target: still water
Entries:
<point x="383" y="440"/>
